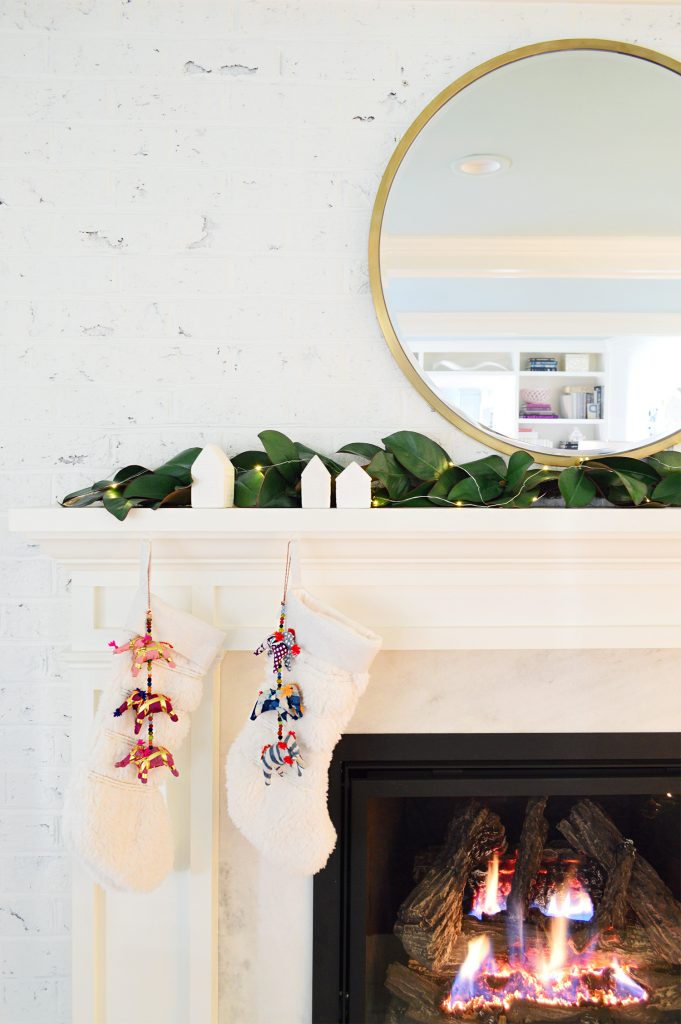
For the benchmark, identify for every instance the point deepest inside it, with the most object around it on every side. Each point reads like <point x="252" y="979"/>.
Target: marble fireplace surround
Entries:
<point x="538" y="620"/>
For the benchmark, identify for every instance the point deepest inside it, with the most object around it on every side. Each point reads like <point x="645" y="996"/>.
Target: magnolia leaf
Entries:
<point x="152" y="485"/>
<point x="668" y="491"/>
<point x="518" y="465"/>
<point x="274" y="492"/>
<point x="417" y="453"/>
<point x="602" y="477"/>
<point x="282" y="453"/>
<point x="636" y="489"/>
<point x="365" y="451"/>
<point x="540" y="476"/>
<point x="181" y="497"/>
<point x="86" y="496"/>
<point x="577" y="489"/>
<point x="618" y="495"/>
<point x="446" y="481"/>
<point x="666" y="462"/>
<point x="247" y="487"/>
<point x="484" y="468"/>
<point x="635" y="468"/>
<point x="117" y="505"/>
<point x="524" y="499"/>
<point x="306" y="454"/>
<point x="418" y="498"/>
<point x="180" y="466"/>
<point x="475" y="492"/>
<point x="123" y="476"/>
<point x="385" y="468"/>
<point x="250" y="460"/>
<point x="481" y="485"/>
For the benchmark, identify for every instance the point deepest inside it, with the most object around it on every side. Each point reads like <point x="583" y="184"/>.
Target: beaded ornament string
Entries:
<point x="284" y="698"/>
<point x="282" y="630"/>
<point x="150" y="721"/>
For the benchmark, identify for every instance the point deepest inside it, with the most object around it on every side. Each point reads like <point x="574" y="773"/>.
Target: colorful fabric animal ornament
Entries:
<point x="146" y="758"/>
<point x="145" y="649"/>
<point x="281" y="646"/>
<point x="145" y="704"/>
<point x="287" y="701"/>
<point x="278" y="756"/>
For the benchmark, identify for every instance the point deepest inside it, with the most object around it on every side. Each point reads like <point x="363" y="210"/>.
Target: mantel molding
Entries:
<point x="425" y="579"/>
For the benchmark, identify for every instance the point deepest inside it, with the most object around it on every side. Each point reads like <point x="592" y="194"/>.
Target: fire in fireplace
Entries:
<point x="552" y="945"/>
<point x="508" y="891"/>
<point x="589" y="923"/>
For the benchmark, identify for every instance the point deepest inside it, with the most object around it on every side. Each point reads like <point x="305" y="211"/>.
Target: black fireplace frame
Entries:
<point x="445" y="762"/>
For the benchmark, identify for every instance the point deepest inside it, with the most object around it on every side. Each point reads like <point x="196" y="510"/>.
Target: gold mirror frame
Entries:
<point x="545" y="456"/>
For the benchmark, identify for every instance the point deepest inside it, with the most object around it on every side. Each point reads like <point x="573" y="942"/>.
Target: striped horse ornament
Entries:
<point x="279" y="756"/>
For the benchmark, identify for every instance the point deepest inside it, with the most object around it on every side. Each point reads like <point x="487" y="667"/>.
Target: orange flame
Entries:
<point x="479" y="950"/>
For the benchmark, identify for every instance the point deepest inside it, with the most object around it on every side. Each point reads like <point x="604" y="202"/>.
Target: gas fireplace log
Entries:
<point x="424" y="861"/>
<point x="664" y="987"/>
<point x="589" y="828"/>
<point x="532" y="838"/>
<point x="496" y="930"/>
<point x="419" y="991"/>
<point x="429" y="920"/>
<point x="630" y="945"/>
<point x="530" y="1013"/>
<point x="612" y="910"/>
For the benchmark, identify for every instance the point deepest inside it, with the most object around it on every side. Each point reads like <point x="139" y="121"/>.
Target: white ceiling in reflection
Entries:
<point x="594" y="141"/>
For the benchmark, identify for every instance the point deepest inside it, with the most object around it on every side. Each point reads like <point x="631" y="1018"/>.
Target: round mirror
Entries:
<point x="525" y="251"/>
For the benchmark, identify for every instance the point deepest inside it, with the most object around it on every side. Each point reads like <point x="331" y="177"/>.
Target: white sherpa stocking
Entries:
<point x="118" y="827"/>
<point x="288" y="821"/>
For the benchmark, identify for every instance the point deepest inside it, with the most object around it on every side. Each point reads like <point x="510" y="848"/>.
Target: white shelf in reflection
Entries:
<point x="544" y="420"/>
<point x="560" y="373"/>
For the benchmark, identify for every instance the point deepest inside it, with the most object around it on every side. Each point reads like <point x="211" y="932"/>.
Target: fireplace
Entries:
<point x="496" y="879"/>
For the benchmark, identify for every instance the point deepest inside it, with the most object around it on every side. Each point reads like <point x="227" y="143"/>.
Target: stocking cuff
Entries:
<point x="326" y="634"/>
<point x="196" y="640"/>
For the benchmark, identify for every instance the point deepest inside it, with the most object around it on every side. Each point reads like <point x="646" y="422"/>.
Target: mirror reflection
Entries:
<point x="530" y="253"/>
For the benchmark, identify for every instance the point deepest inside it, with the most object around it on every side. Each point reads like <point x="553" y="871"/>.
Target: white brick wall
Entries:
<point x="185" y="190"/>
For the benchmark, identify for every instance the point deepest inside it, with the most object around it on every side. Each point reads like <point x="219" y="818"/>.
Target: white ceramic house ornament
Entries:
<point x="316" y="485"/>
<point x="353" y="487"/>
<point x="212" y="479"/>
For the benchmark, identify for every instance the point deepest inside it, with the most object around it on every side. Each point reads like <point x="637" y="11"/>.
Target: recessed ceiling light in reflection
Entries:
<point x="481" y="163"/>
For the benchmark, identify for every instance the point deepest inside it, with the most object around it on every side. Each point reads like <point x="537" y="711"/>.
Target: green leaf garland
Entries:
<point x="411" y="471"/>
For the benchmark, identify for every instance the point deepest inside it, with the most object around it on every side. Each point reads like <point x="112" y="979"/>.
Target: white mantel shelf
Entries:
<point x="186" y="532"/>
<point x="423" y="578"/>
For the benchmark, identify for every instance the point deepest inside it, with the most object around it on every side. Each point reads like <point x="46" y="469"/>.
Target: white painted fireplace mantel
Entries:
<point x="426" y="580"/>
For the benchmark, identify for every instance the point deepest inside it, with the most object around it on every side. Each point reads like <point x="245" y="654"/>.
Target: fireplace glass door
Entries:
<point x="527" y="889"/>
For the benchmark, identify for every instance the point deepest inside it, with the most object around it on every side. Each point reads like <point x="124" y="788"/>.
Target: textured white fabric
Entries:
<point x="118" y="827"/>
<point x="120" y="830"/>
<point x="288" y="821"/>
